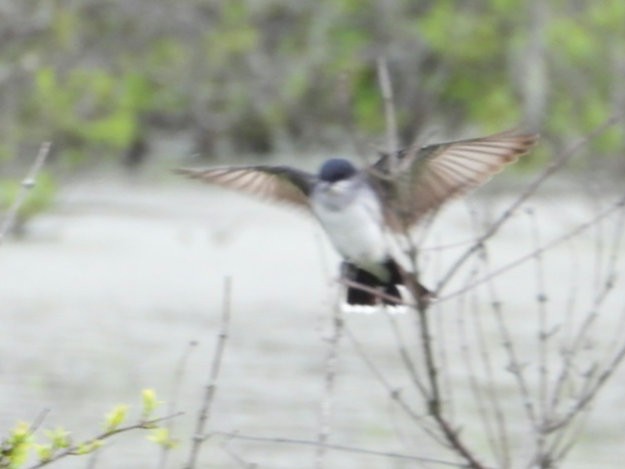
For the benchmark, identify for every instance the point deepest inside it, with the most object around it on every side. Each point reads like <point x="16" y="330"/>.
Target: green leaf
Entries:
<point x="18" y="444"/>
<point x="45" y="81"/>
<point x="89" y="447"/>
<point x="116" y="417"/>
<point x="573" y="39"/>
<point x="44" y="452"/>
<point x="116" y="129"/>
<point x="59" y="437"/>
<point x="150" y="403"/>
<point x="161" y="437"/>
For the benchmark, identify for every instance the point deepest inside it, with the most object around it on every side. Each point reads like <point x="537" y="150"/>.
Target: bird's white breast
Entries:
<point x="351" y="215"/>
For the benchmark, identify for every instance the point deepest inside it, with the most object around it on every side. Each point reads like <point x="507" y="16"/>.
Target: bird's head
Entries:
<point x="336" y="169"/>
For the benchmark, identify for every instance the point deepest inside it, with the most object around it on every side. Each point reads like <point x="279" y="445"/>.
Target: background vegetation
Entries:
<point x="107" y="80"/>
<point x="102" y="78"/>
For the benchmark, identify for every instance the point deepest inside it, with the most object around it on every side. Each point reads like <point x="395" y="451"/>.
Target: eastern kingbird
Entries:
<point x="357" y="208"/>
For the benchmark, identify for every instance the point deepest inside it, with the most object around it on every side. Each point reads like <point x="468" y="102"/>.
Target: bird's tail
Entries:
<point x="373" y="286"/>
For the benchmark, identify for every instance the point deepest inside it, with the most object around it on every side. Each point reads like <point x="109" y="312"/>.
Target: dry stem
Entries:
<point x="209" y="395"/>
<point x="337" y="447"/>
<point x="27" y="185"/>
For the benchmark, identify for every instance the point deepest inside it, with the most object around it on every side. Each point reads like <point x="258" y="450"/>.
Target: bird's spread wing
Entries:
<point x="428" y="176"/>
<point x="277" y="183"/>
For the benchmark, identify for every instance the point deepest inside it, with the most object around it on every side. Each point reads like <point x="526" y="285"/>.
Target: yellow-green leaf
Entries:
<point x="150" y="403"/>
<point x="89" y="447"/>
<point x="44" y="452"/>
<point x="59" y="437"/>
<point x="116" y="417"/>
<point x="18" y="444"/>
<point x="161" y="437"/>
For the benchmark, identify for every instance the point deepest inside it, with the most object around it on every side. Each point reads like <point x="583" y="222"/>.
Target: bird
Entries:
<point x="357" y="208"/>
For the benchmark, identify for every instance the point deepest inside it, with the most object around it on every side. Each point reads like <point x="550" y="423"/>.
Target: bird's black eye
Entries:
<point x="336" y="169"/>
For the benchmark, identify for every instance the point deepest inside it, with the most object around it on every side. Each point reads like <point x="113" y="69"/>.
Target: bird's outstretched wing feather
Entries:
<point x="427" y="177"/>
<point x="277" y="183"/>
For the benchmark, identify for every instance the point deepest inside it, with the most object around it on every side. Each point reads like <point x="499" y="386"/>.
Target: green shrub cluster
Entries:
<point x="24" y="444"/>
<point x="250" y="76"/>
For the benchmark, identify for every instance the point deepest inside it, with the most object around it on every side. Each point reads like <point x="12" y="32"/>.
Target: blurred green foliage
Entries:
<point x="90" y="106"/>
<point x="251" y="76"/>
<point x="25" y="442"/>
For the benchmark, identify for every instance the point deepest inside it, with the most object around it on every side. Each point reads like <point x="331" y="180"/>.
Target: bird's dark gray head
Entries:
<point x="336" y="169"/>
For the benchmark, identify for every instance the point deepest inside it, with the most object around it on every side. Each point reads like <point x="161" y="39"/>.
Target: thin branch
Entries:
<point x="515" y="366"/>
<point x="394" y="393"/>
<point x="74" y="450"/>
<point x="28" y="183"/>
<point x="435" y="403"/>
<point x="386" y="88"/>
<point x="543" y="336"/>
<point x="558" y="164"/>
<point x="576" y="343"/>
<point x="488" y="399"/>
<point x="560" y="447"/>
<point x="374" y="291"/>
<point x="238" y="459"/>
<point x="497" y="433"/>
<point x="596" y="380"/>
<point x="591" y="392"/>
<point x="405" y="355"/>
<point x="620" y="203"/>
<point x="209" y="395"/>
<point x="337" y="447"/>
<point x="175" y="392"/>
<point x="38" y="421"/>
<point x="433" y="399"/>
<point x="329" y="383"/>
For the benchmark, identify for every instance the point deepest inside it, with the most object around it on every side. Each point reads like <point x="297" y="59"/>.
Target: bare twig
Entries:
<point x="405" y="356"/>
<point x="374" y="291"/>
<point x="178" y="378"/>
<point x="337" y="447"/>
<point x="209" y="394"/>
<point x="27" y="185"/>
<point x="617" y="205"/>
<point x="76" y="449"/>
<point x="38" y="421"/>
<point x="236" y="457"/>
<point x="434" y="399"/>
<point x="557" y="164"/>
<point x="329" y="382"/>
<point x="393" y="392"/>
<point x="486" y="399"/>
<point x="543" y="349"/>
<point x="491" y="402"/>
<point x="435" y="404"/>
<point x="386" y="88"/>
<point x="485" y="393"/>
<point x="515" y="366"/>
<point x="595" y="379"/>
<point x="587" y="397"/>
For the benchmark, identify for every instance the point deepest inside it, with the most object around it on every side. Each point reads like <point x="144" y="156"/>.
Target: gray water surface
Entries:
<point x="103" y="296"/>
